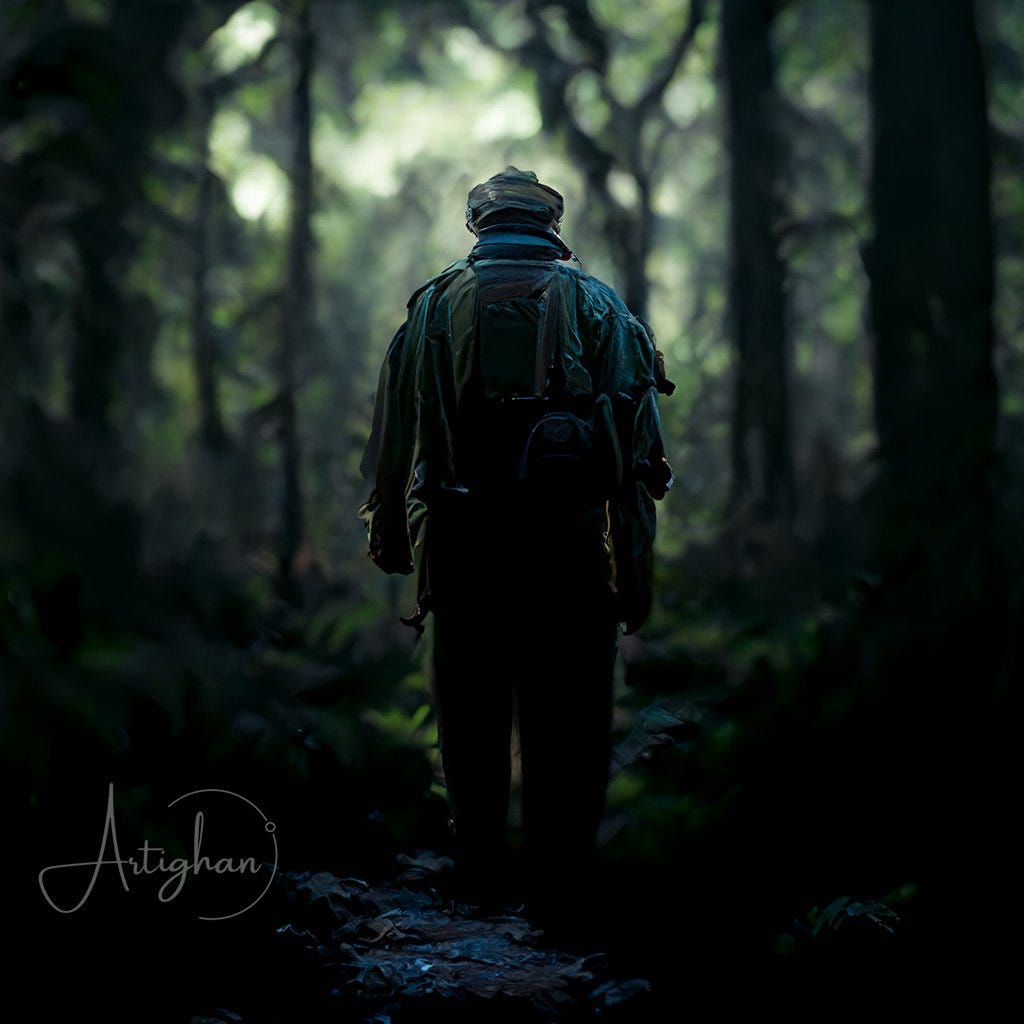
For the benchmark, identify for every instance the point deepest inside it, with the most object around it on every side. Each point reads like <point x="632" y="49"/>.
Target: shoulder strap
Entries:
<point x="550" y="374"/>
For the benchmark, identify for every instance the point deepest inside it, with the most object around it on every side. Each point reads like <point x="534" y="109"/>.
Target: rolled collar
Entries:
<point x="519" y="241"/>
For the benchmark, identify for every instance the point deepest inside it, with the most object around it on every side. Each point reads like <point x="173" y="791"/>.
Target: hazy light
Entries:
<point x="687" y="97"/>
<point x="261" y="190"/>
<point x="476" y="61"/>
<point x="229" y="141"/>
<point x="243" y="36"/>
<point x="510" y="115"/>
<point x="404" y="122"/>
<point x="623" y="188"/>
<point x="257" y="186"/>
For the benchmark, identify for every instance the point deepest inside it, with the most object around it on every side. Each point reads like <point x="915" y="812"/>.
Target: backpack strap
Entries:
<point x="549" y="370"/>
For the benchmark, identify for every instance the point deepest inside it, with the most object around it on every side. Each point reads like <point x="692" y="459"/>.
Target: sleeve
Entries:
<point x="635" y="369"/>
<point x="410" y="430"/>
<point x="387" y="461"/>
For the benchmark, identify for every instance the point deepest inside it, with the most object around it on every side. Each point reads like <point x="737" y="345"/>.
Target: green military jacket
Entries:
<point x="602" y="349"/>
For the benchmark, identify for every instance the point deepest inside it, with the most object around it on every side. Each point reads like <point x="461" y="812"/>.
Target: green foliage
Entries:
<point x="844" y="909"/>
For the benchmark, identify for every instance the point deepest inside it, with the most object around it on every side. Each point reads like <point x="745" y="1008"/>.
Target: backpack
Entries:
<point x="527" y="430"/>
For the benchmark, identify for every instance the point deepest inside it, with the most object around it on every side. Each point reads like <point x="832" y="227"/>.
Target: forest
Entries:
<point x="212" y="216"/>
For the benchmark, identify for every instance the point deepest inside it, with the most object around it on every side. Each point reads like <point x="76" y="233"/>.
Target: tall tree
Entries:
<point x="298" y="303"/>
<point x="209" y="90"/>
<point x="108" y="86"/>
<point x="931" y="271"/>
<point x="761" y="447"/>
<point x="204" y="348"/>
<point x="937" y="636"/>
<point x="935" y="628"/>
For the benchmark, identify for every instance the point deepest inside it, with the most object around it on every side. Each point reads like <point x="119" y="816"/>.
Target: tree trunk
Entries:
<point x="761" y="450"/>
<point x="98" y="316"/>
<point x="204" y="349"/>
<point x="931" y="272"/>
<point x="630" y="234"/>
<point x="935" y="629"/>
<point x="298" y="312"/>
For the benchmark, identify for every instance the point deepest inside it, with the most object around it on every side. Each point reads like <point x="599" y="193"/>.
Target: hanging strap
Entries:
<point x="549" y="351"/>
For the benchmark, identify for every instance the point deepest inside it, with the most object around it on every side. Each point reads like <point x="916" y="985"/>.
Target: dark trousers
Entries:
<point x="524" y="625"/>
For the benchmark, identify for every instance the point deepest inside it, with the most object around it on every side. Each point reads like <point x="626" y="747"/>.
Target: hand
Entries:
<point x="392" y="565"/>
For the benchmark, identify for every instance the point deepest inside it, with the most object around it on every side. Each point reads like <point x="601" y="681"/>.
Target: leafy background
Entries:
<point x="211" y="217"/>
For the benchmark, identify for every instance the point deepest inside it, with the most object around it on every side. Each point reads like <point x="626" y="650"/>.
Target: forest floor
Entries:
<point x="402" y="951"/>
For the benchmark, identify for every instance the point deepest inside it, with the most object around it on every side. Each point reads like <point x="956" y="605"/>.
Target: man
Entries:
<point x="516" y="434"/>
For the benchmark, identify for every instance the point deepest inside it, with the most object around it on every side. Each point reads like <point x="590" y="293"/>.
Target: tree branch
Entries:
<point x="663" y="77"/>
